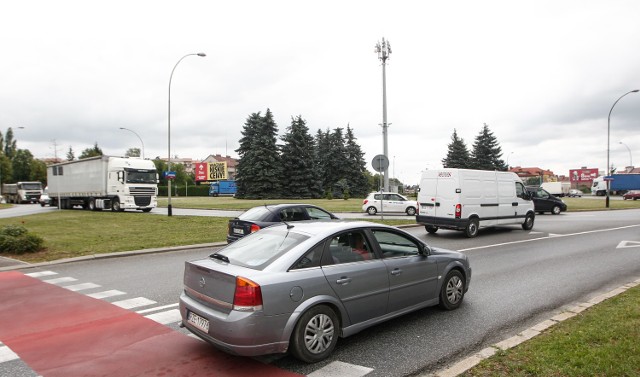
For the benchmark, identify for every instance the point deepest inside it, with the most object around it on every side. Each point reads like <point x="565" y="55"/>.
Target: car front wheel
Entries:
<point x="555" y="210"/>
<point x="372" y="211"/>
<point x="452" y="291"/>
<point x="315" y="335"/>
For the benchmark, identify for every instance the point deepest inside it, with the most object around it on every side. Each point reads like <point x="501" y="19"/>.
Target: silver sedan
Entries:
<point x="300" y="286"/>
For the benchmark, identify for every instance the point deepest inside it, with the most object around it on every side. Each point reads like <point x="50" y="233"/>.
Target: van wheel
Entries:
<point x="431" y="229"/>
<point x="528" y="222"/>
<point x="372" y="211"/>
<point x="555" y="210"/>
<point x="472" y="228"/>
<point x="315" y="334"/>
<point x="411" y="211"/>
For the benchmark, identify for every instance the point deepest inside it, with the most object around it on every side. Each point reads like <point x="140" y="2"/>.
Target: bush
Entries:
<point x="15" y="239"/>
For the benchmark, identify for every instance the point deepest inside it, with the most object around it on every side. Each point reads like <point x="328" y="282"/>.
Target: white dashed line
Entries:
<point x="134" y="303"/>
<point x="338" y="368"/>
<point x="60" y="280"/>
<point x="157" y="308"/>
<point x="41" y="274"/>
<point x="81" y="287"/>
<point x="164" y="318"/>
<point x="106" y="294"/>
<point x="6" y="354"/>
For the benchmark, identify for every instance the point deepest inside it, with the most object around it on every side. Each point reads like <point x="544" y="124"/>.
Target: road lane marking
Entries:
<point x="106" y="294"/>
<point x="626" y="244"/>
<point x="165" y="318"/>
<point x="60" y="280"/>
<point x="157" y="308"/>
<point x="6" y="354"/>
<point x="546" y="238"/>
<point x="134" y="303"/>
<point x="41" y="273"/>
<point x="81" y="287"/>
<point x="338" y="368"/>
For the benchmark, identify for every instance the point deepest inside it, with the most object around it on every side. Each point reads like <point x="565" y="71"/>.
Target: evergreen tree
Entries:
<point x="336" y="161"/>
<point x="10" y="148"/>
<point x="487" y="152"/>
<point x="356" y="167"/>
<point x="457" y="154"/>
<point x="322" y="163"/>
<point x="300" y="178"/>
<point x="245" y="167"/>
<point x="91" y="152"/>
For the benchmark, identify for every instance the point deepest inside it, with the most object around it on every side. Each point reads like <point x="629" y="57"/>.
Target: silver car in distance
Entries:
<point x="299" y="286"/>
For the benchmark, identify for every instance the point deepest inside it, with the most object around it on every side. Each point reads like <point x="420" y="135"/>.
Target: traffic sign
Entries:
<point x="170" y="175"/>
<point x="380" y="163"/>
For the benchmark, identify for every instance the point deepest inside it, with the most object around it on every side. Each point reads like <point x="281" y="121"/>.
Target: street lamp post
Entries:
<point x="384" y="50"/>
<point x="509" y="155"/>
<point x="135" y="133"/>
<point x="629" y="149"/>
<point x="201" y="54"/>
<point x="608" y="171"/>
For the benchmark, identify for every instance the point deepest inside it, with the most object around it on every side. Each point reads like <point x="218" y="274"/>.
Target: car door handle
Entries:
<point x="343" y="280"/>
<point x="396" y="271"/>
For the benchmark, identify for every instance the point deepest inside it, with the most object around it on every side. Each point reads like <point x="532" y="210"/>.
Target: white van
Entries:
<point x="466" y="200"/>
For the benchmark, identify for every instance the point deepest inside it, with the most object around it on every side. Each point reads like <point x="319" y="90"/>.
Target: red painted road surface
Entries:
<point x="62" y="333"/>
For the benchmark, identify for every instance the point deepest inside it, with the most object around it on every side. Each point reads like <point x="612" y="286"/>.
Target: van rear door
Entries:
<point x="428" y="192"/>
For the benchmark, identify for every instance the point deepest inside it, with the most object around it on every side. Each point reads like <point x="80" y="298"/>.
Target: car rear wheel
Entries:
<point x="411" y="211"/>
<point x="315" y="335"/>
<point x="431" y="229"/>
<point x="372" y="211"/>
<point x="555" y="210"/>
<point x="472" y="228"/>
<point x="452" y="291"/>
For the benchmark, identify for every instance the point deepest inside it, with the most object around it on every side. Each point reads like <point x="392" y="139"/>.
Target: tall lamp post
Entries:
<point x="201" y="54"/>
<point x="608" y="171"/>
<point x="509" y="155"/>
<point x="629" y="149"/>
<point x="384" y="50"/>
<point x="135" y="133"/>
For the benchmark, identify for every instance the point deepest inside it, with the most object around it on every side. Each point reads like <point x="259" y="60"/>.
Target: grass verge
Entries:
<point x="603" y="340"/>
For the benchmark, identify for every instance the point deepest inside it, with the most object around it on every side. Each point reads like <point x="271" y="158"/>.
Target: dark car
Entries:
<point x="257" y="218"/>
<point x="301" y="286"/>
<point x="545" y="202"/>
<point x="633" y="194"/>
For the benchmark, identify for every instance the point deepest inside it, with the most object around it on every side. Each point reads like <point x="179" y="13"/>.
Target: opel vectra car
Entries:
<point x="300" y="286"/>
<point x="260" y="217"/>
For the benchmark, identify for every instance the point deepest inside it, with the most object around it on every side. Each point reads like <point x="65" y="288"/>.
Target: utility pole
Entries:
<point x="384" y="50"/>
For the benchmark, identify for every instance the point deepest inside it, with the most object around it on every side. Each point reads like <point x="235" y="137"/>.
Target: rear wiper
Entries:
<point x="219" y="256"/>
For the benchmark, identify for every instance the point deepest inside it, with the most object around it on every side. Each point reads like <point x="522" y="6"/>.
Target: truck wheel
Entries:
<point x="472" y="228"/>
<point x="115" y="206"/>
<point x="146" y="209"/>
<point x="92" y="204"/>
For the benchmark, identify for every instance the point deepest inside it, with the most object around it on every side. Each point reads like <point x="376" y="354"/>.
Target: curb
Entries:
<point x="473" y="360"/>
<point x="24" y="265"/>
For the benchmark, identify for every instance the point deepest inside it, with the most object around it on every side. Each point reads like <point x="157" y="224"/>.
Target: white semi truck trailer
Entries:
<point x="104" y="182"/>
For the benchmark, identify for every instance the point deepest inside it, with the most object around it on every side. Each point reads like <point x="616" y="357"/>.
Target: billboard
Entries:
<point x="211" y="171"/>
<point x="583" y="175"/>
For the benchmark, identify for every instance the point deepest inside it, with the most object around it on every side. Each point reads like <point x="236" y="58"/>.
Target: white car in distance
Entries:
<point x="386" y="202"/>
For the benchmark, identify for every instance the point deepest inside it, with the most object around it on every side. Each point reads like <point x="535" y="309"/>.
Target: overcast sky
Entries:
<point x="542" y="74"/>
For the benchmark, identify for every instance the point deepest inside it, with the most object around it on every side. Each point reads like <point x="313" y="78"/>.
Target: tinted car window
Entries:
<point x="311" y="259"/>
<point x="255" y="214"/>
<point x="293" y="214"/>
<point x="259" y="249"/>
<point x="394" y="244"/>
<point x="317" y="213"/>
<point x="350" y="247"/>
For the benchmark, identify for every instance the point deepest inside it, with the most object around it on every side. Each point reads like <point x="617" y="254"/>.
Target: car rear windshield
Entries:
<point x="256" y="214"/>
<point x="260" y="249"/>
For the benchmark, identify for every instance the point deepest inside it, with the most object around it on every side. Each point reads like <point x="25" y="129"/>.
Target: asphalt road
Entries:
<point x="519" y="279"/>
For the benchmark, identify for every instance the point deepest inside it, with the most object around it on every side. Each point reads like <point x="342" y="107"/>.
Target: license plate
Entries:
<point x="238" y="231"/>
<point x="199" y="322"/>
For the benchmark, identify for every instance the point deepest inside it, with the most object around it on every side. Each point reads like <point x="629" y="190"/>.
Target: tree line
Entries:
<point x="331" y="164"/>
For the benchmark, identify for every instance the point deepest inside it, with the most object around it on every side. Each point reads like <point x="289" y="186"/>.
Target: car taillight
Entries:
<point x="458" y="211"/>
<point x="254" y="228"/>
<point x="418" y="209"/>
<point x="248" y="295"/>
<point x="365" y="201"/>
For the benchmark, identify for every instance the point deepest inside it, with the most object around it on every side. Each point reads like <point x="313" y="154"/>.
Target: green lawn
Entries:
<point x="601" y="341"/>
